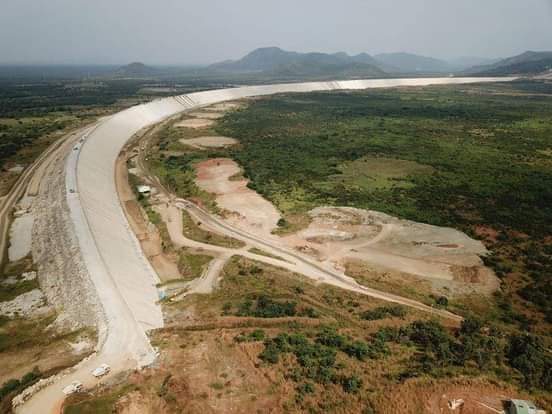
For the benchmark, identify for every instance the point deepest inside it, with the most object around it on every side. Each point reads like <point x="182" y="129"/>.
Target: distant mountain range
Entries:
<point x="410" y="63"/>
<point x="277" y="62"/>
<point x="528" y="63"/>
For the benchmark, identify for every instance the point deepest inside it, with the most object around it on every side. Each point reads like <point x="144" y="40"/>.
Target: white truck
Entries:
<point x="75" y="386"/>
<point x="101" y="370"/>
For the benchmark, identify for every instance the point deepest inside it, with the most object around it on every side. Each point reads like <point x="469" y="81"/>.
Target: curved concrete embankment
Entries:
<point x="122" y="275"/>
<point x="123" y="278"/>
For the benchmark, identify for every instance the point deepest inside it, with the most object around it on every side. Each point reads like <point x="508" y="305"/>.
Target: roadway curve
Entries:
<point x="124" y="279"/>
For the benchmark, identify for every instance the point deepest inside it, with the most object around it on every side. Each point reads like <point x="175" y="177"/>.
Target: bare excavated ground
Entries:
<point x="207" y="114"/>
<point x="203" y="372"/>
<point x="209" y="142"/>
<point x="223" y="107"/>
<point x="444" y="256"/>
<point x="245" y="208"/>
<point x="195" y="123"/>
<point x="20" y="237"/>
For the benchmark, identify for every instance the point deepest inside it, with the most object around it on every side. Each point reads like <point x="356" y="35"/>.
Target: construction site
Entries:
<point x="124" y="261"/>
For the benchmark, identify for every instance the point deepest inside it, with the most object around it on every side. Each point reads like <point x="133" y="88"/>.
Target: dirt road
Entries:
<point x="301" y="264"/>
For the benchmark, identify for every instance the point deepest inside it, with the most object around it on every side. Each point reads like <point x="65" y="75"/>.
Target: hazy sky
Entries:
<point x="202" y="31"/>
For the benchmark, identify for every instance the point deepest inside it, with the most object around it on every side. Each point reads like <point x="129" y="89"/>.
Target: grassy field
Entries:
<point x="476" y="158"/>
<point x="192" y="266"/>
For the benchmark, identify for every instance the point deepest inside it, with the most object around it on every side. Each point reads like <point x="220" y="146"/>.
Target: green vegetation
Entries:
<point x="11" y="291"/>
<point x="383" y="312"/>
<point x="317" y="358"/>
<point x="22" y="133"/>
<point x="522" y="357"/>
<point x="256" y="335"/>
<point x="193" y="231"/>
<point x="14" y="386"/>
<point x="377" y="173"/>
<point x="11" y="283"/>
<point x="476" y="158"/>
<point x="263" y="306"/>
<point x="192" y="266"/>
<point x="20" y="333"/>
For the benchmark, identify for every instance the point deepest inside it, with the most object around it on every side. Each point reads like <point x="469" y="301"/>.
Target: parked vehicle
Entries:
<point x="75" y="386"/>
<point x="101" y="370"/>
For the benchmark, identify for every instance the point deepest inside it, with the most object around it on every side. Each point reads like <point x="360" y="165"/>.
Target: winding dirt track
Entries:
<point x="124" y="280"/>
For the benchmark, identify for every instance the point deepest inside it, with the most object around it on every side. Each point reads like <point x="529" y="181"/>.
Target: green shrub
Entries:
<point x="264" y="307"/>
<point x="351" y="384"/>
<point x="384" y="312"/>
<point x="256" y="335"/>
<point x="527" y="354"/>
